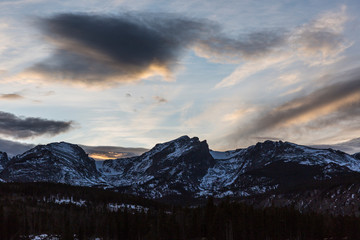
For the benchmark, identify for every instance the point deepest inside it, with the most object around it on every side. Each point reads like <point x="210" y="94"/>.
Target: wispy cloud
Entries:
<point x="328" y="105"/>
<point x="160" y="99"/>
<point x="350" y="146"/>
<point x="319" y="42"/>
<point x="11" y="96"/>
<point x="26" y="127"/>
<point x="217" y="47"/>
<point x="252" y="67"/>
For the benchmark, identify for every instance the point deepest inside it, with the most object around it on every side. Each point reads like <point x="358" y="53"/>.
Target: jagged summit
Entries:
<point x="170" y="168"/>
<point x="183" y="140"/>
<point x="55" y="162"/>
<point x="185" y="167"/>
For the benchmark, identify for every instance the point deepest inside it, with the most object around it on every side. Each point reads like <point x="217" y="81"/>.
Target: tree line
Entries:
<point x="24" y="212"/>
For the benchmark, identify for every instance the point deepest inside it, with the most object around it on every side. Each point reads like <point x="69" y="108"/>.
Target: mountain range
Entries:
<point x="185" y="169"/>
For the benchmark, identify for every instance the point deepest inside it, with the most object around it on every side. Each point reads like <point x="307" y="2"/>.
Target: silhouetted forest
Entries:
<point x="27" y="209"/>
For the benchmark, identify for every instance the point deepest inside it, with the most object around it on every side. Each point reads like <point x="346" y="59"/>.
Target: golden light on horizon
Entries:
<point x="107" y="156"/>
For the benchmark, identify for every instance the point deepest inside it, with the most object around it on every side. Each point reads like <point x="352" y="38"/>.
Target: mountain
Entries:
<point x="172" y="168"/>
<point x="356" y="156"/>
<point x="186" y="169"/>
<point x="273" y="165"/>
<point x="56" y="162"/>
<point x="3" y="160"/>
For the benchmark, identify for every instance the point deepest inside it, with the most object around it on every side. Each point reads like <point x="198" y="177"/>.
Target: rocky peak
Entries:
<point x="3" y="159"/>
<point x="356" y="156"/>
<point x="54" y="162"/>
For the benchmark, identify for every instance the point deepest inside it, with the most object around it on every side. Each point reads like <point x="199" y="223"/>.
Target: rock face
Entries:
<point x="55" y="162"/>
<point x="273" y="165"/>
<point x="173" y="168"/>
<point x="356" y="155"/>
<point x="3" y="160"/>
<point x="185" y="168"/>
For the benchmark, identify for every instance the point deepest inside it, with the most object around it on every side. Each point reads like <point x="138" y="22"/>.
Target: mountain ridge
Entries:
<point x="187" y="168"/>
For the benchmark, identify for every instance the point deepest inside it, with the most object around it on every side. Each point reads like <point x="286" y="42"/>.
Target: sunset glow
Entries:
<point x="135" y="74"/>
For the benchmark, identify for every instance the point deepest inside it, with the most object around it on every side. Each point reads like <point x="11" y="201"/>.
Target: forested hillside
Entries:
<point x="70" y="212"/>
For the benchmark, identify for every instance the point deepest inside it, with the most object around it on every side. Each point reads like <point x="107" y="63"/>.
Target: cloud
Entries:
<point x="351" y="146"/>
<point x="104" y="50"/>
<point x="98" y="49"/>
<point x="321" y="38"/>
<point x="21" y="127"/>
<point x="328" y="105"/>
<point x="160" y="99"/>
<point x="11" y="96"/>
<point x="92" y="48"/>
<point x="219" y="48"/>
<point x="13" y="148"/>
<point x="319" y="42"/>
<point x="250" y="68"/>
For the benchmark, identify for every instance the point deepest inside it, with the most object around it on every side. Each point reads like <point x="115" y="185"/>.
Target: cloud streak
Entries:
<point x="351" y="146"/>
<point x="322" y="107"/>
<point x="217" y="47"/>
<point x="319" y="42"/>
<point x="27" y="127"/>
<point x="322" y="38"/>
<point x="11" y="96"/>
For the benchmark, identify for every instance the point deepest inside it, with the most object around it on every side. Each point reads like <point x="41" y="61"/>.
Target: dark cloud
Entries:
<point x="11" y="96"/>
<point x="93" y="49"/>
<point x="13" y="148"/>
<point x="21" y="127"/>
<point x="160" y="99"/>
<point x="328" y="105"/>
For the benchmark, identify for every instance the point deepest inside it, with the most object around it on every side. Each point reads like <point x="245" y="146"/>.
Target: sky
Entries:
<point x="136" y="73"/>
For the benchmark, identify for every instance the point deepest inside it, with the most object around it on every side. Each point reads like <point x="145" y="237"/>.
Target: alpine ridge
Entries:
<point x="55" y="162"/>
<point x="185" y="168"/>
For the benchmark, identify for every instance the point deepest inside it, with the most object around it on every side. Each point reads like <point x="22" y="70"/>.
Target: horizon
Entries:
<point x="101" y="153"/>
<point x="135" y="74"/>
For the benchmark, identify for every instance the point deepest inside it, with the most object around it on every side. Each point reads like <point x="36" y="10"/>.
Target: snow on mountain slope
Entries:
<point x="170" y="168"/>
<point x="3" y="160"/>
<point x="185" y="167"/>
<point x="266" y="166"/>
<point x="56" y="162"/>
